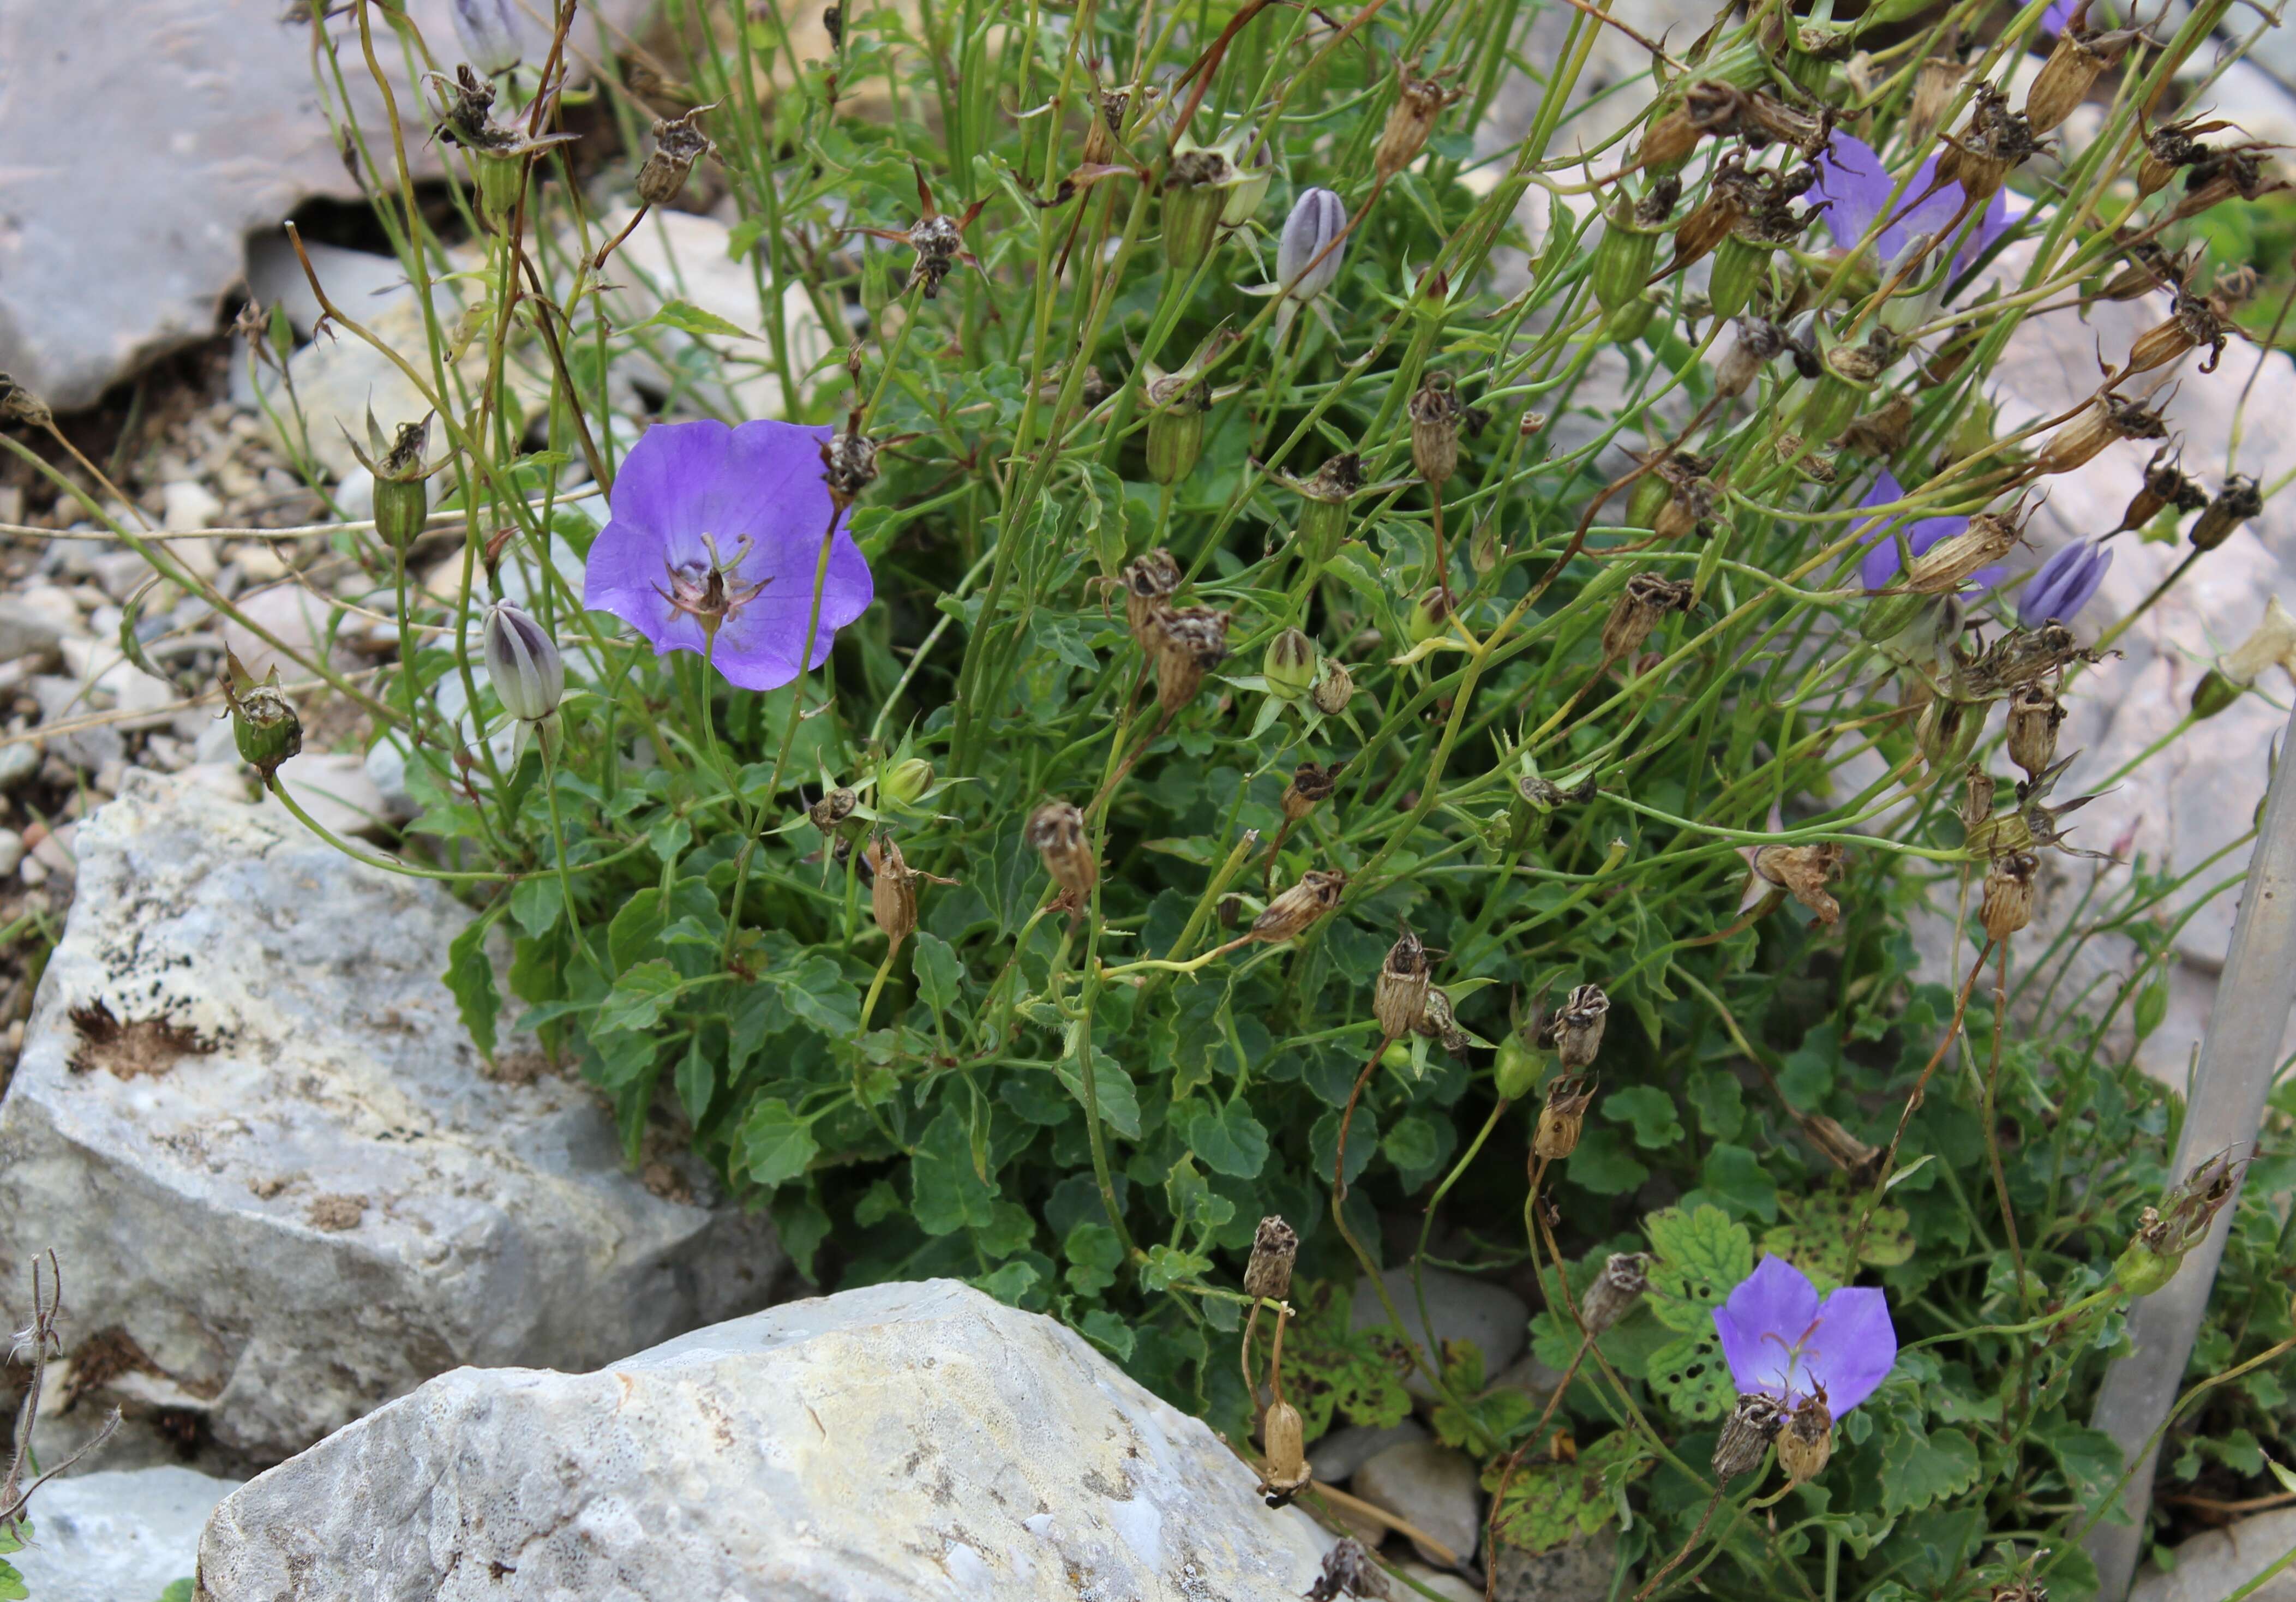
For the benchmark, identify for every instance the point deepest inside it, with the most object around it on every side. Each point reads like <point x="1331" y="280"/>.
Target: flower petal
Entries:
<point x="1761" y="1320"/>
<point x="1855" y="1346"/>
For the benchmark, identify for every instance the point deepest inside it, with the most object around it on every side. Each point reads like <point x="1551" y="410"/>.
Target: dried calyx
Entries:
<point x="1274" y="1247"/>
<point x="1056" y="832"/>
<point x="1290" y="913"/>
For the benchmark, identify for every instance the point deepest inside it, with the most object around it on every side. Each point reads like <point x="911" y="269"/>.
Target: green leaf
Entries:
<point x="1228" y="1139"/>
<point x="1924" y="1469"/>
<point x="536" y="901"/>
<point x="1548" y="1504"/>
<point x="951" y="1192"/>
<point x="776" y="1144"/>
<point x="1816" y="1236"/>
<point x="1701" y="1255"/>
<point x="472" y="979"/>
<point x="12" y="1584"/>
<point x="1104" y="1328"/>
<point x="1602" y="1165"/>
<point x="1720" y="1102"/>
<point x="697" y="1081"/>
<point x="1094" y="1254"/>
<point x="1417" y="1147"/>
<point x="636" y="1001"/>
<point x="1736" y="1175"/>
<point x="1167" y="1266"/>
<point x="180" y="1591"/>
<point x="940" y="977"/>
<point x="1119" y="1103"/>
<point x="2092" y="1461"/>
<point x="1690" y="1373"/>
<point x="689" y="318"/>
<point x="818" y="993"/>
<point x="1651" y="1111"/>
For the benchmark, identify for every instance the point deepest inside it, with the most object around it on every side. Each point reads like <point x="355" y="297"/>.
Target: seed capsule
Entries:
<point x="1150" y="579"/>
<point x="1274" y="1246"/>
<point x="1746" y="1436"/>
<point x="1561" y="1117"/>
<point x="2008" y="905"/>
<point x="835" y="806"/>
<point x="892" y="889"/>
<point x="1629" y="245"/>
<point x="1409" y="122"/>
<point x="1324" y="505"/>
<point x="1196" y="184"/>
<point x="1805" y="1444"/>
<point x="1625" y="1276"/>
<point x="2081" y="53"/>
<point x="1399" y="994"/>
<point x="1647" y="598"/>
<point x="677" y="145"/>
<point x="263" y="721"/>
<point x="2235" y="505"/>
<point x="2165" y="485"/>
<point x="1311" y="786"/>
<point x="1435" y="417"/>
<point x="1977" y="789"/>
<point x="1759" y="342"/>
<point x="2108" y="419"/>
<point x="2194" y="322"/>
<point x="1335" y="689"/>
<point x="2034" y="713"/>
<point x="1177" y="406"/>
<point x="1431" y="614"/>
<point x="1057" y="831"/>
<point x="1288" y="1472"/>
<point x="1437" y="1022"/>
<point x="1186" y="643"/>
<point x="1576" y="1031"/>
<point x="1292" y="912"/>
<point x="1945" y="566"/>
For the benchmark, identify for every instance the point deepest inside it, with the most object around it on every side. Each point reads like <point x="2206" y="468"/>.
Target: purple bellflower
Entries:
<point x="718" y="530"/>
<point x="1856" y="188"/>
<point x="2063" y="585"/>
<point x="1879" y="565"/>
<point x="1784" y="1341"/>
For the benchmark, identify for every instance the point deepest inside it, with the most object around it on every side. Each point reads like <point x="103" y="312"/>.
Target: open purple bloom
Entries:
<point x="1784" y="1341"/>
<point x="2063" y="585"/>
<point x="725" y="525"/>
<point x="1856" y="188"/>
<point x="1879" y="565"/>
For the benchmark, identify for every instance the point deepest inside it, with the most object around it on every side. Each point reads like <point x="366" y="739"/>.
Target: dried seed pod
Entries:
<point x="1284" y="1434"/>
<point x="2081" y="53"/>
<point x="677" y="144"/>
<point x="1625" y="1276"/>
<point x="2166" y="484"/>
<point x="1881" y="432"/>
<point x="1945" y="566"/>
<point x="1348" y="1570"/>
<point x="1805" y="1442"/>
<point x="1707" y="107"/>
<point x="1561" y="1117"/>
<point x="1150" y="579"/>
<point x="1996" y="140"/>
<point x="1292" y="912"/>
<point x="1409" y="122"/>
<point x="1274" y="1247"/>
<point x="1575" y="1031"/>
<point x="2034" y="713"/>
<point x="1746" y="1435"/>
<point x="1688" y="509"/>
<point x="1803" y="871"/>
<point x="1976" y="797"/>
<point x="2008" y="904"/>
<point x="264" y="725"/>
<point x="1335" y="689"/>
<point x="19" y="405"/>
<point x="1311" y="785"/>
<point x="2233" y="505"/>
<point x="1437" y="1022"/>
<point x="1399" y="994"/>
<point x="836" y="804"/>
<point x="1325" y="500"/>
<point x="849" y="463"/>
<point x="892" y="889"/>
<point x="1435" y="417"/>
<point x="2020" y="1590"/>
<point x="1861" y="1162"/>
<point x="1186" y="643"/>
<point x="1759" y="341"/>
<point x="2222" y="175"/>
<point x="2108" y="419"/>
<point x="2193" y="322"/>
<point x="1935" y="83"/>
<point x="1647" y="598"/>
<point x="1099" y="132"/>
<point x="1057" y="831"/>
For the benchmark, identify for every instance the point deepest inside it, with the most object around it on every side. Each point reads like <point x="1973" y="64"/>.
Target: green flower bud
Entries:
<point x="1623" y="259"/>
<point x="1631" y="320"/>
<point x="904" y="783"/>
<point x="1431" y="616"/>
<point x="1739" y="266"/>
<point x="2141" y="1270"/>
<point x="1175" y="426"/>
<point x="263" y="723"/>
<point x="1197" y="187"/>
<point x="402" y="492"/>
<point x="1518" y="1067"/>
<point x="1290" y="664"/>
<point x="2214" y="693"/>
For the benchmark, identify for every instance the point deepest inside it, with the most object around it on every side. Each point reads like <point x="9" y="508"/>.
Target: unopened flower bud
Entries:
<point x="1561" y="1117"/>
<point x="1324" y="501"/>
<point x="1335" y="689"/>
<point x="1292" y="912"/>
<point x="677" y="144"/>
<point x="1197" y="182"/>
<point x="1625" y="1276"/>
<point x="2273" y="640"/>
<point x="1805" y="1442"/>
<point x="490" y="32"/>
<point x="1175" y="426"/>
<point x="1576" y="1031"/>
<point x="2034" y="713"/>
<point x="906" y="783"/>
<point x="1309" y="249"/>
<point x="1647" y="598"/>
<point x="892" y="889"/>
<point x="1311" y="786"/>
<point x="1274" y="1246"/>
<point x="2235" y="505"/>
<point x="1431" y="614"/>
<point x="1517" y="1066"/>
<point x="263" y="721"/>
<point x="1150" y="579"/>
<point x="1186" y="643"/>
<point x="1056" y="830"/>
<point x="1436" y="415"/>
<point x="402" y="490"/>
<point x="1746" y="1435"/>
<point x="1409" y="122"/>
<point x="1399" y="994"/>
<point x="523" y="663"/>
<point x="2008" y="905"/>
<point x="1289" y="666"/>
<point x="1288" y="1472"/>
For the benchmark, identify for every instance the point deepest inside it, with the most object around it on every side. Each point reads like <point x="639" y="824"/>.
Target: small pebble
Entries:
<point x="32" y="872"/>
<point x="12" y="850"/>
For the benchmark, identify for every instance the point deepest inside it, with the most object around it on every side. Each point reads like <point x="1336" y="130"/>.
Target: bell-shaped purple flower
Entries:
<point x="716" y="531"/>
<point x="1856" y="188"/>
<point x="523" y="663"/>
<point x="1318" y="218"/>
<point x="1879" y="565"/>
<point x="494" y="34"/>
<point x="2063" y="585"/>
<point x="1784" y="1341"/>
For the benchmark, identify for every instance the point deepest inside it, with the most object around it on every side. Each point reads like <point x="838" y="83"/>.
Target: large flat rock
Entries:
<point x="906" y="1441"/>
<point x="116" y="1536"/>
<point x="290" y="1191"/>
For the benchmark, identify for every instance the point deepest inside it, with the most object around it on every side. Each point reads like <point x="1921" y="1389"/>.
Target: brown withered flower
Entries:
<point x="1274" y="1247"/>
<point x="1185" y="644"/>
<point x="1759" y="342"/>
<point x="1803" y="872"/>
<point x="1436" y="415"/>
<point x="1883" y="431"/>
<point x="892" y="893"/>
<point x="2020" y="1590"/>
<point x="1746" y="1435"/>
<point x="19" y="405"/>
<point x="1292" y="912"/>
<point x="1688" y="509"/>
<point x="848" y="461"/>
<point x="1311" y="786"/>
<point x="1284" y="1433"/>
<point x="1439" y="1023"/>
<point x="1575" y="1032"/>
<point x="1996" y="142"/>
<point x="2221" y="175"/>
<point x="1945" y="566"/>
<point x="2008" y="904"/>
<point x="1149" y="580"/>
<point x="2165" y="484"/>
<point x="2233" y="505"/>
<point x="1977" y="796"/>
<point x="1708" y="107"/>
<point x="2019" y="656"/>
<point x="1057" y="831"/>
<point x="937" y="238"/>
<point x="677" y="144"/>
<point x="1561" y="1117"/>
<point x="2169" y="147"/>
<point x="1861" y="1162"/>
<point x="2080" y="55"/>
<point x="2149" y="267"/>
<point x="1805" y="1442"/>
<point x="1625" y="1276"/>
<point x="1935" y="83"/>
<point x="1410" y="120"/>
<point x="1348" y="1570"/>
<point x="1398" y="996"/>
<point x="2035" y="714"/>
<point x="836" y="804"/>
<point x="2194" y="321"/>
<point x="1647" y="598"/>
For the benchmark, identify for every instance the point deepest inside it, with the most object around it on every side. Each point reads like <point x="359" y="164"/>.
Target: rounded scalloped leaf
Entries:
<point x="1701" y="1255"/>
<point x="1692" y="1378"/>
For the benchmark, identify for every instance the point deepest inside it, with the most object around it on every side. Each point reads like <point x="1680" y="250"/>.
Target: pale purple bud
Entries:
<point x="2063" y="583"/>
<point x="1318" y="218"/>
<point x="523" y="661"/>
<point x="494" y="33"/>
